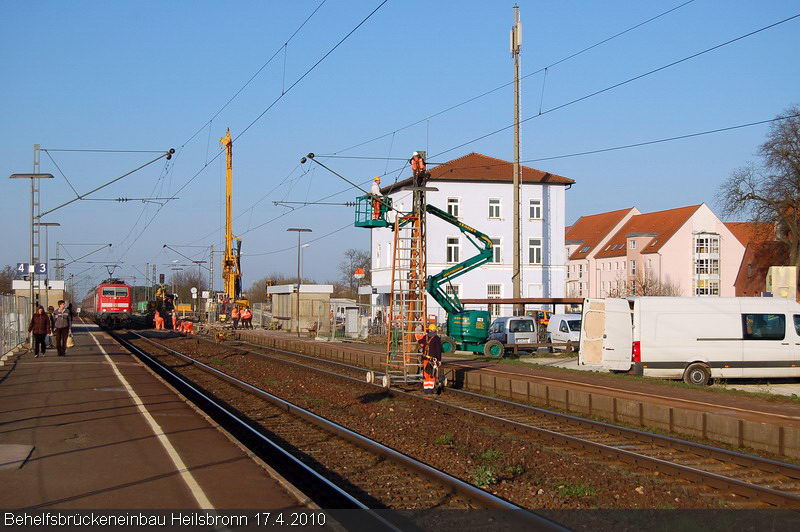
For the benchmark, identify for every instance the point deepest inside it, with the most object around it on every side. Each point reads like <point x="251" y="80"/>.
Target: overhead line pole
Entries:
<point x="516" y="45"/>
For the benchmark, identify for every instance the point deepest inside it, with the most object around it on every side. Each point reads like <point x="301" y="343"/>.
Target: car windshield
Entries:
<point x="521" y="326"/>
<point x="574" y="325"/>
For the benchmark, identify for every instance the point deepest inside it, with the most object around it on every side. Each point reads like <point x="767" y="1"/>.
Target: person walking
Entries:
<point x="431" y="359"/>
<point x="40" y="327"/>
<point x="235" y="315"/>
<point x="50" y="311"/>
<point x="63" y="319"/>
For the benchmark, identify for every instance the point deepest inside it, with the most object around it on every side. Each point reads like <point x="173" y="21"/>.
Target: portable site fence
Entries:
<point x="15" y="313"/>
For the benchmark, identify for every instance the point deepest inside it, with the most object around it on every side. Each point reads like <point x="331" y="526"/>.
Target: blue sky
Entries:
<point x="147" y="75"/>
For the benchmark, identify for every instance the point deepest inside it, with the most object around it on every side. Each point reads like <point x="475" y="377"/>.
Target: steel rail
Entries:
<point x="739" y="487"/>
<point x="463" y="488"/>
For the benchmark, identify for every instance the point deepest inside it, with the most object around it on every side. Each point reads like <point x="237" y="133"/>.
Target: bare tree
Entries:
<point x="258" y="290"/>
<point x="646" y="283"/>
<point x="352" y="260"/>
<point x="771" y="192"/>
<point x="7" y="274"/>
<point x="183" y="281"/>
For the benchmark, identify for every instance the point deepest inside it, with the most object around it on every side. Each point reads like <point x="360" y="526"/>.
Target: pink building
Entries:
<point x="686" y="251"/>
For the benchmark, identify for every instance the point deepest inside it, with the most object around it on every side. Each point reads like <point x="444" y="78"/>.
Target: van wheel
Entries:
<point x="550" y="341"/>
<point x="697" y="374"/>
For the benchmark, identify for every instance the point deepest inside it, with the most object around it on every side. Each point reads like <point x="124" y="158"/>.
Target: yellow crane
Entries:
<point x="231" y="262"/>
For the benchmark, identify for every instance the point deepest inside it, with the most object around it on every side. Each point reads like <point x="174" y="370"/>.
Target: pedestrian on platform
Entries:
<point x="63" y="319"/>
<point x="376" y="197"/>
<point x="50" y="311"/>
<point x="235" y="316"/>
<point x="431" y="359"/>
<point x="40" y="327"/>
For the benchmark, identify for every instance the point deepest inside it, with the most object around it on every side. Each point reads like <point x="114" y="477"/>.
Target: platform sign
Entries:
<point x="206" y="294"/>
<point x="359" y="273"/>
<point x="194" y="295"/>
<point x="183" y="307"/>
<point x="24" y="268"/>
<point x="194" y="290"/>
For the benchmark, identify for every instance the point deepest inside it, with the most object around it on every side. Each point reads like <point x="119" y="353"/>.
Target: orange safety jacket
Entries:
<point x="417" y="163"/>
<point x="235" y="314"/>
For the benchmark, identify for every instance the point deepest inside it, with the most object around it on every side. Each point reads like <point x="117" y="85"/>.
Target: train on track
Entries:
<point x="110" y="304"/>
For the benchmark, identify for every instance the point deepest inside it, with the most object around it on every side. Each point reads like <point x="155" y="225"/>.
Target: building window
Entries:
<point x="453" y="289"/>
<point x="580" y="289"/>
<point x="453" y="248"/>
<point x="632" y="244"/>
<point x="580" y="270"/>
<point x="494" y="208"/>
<point x="633" y="267"/>
<point x="497" y="252"/>
<point x="706" y="244"/>
<point x="633" y="288"/>
<point x="493" y="291"/>
<point x="452" y="207"/>
<point x="535" y="251"/>
<point x="536" y="209"/>
<point x="585" y="249"/>
<point x="706" y="287"/>
<point x="706" y="266"/>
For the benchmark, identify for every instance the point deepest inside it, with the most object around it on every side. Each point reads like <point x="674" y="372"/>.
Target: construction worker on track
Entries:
<point x="174" y="320"/>
<point x="158" y="321"/>
<point x="431" y="360"/>
<point x="376" y="197"/>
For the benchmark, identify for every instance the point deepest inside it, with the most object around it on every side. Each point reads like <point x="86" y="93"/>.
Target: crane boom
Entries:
<point x="231" y="269"/>
<point x="435" y="283"/>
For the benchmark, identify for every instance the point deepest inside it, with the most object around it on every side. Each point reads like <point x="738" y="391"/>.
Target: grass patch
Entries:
<point x="491" y="455"/>
<point x="315" y="400"/>
<point x="218" y="361"/>
<point x="515" y="470"/>
<point x="576" y="490"/>
<point x="490" y="431"/>
<point x="484" y="476"/>
<point x="444" y="439"/>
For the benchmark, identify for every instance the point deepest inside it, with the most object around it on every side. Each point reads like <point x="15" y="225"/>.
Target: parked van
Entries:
<point x="564" y="328"/>
<point x="693" y="338"/>
<point x="514" y="330"/>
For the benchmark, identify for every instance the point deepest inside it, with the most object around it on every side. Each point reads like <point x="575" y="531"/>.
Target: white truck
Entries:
<point x="693" y="338"/>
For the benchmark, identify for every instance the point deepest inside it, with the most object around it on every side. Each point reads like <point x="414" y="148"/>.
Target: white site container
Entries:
<point x="694" y="338"/>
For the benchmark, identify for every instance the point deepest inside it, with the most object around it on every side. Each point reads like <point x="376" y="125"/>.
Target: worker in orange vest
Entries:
<point x="418" y="168"/>
<point x="235" y="316"/>
<point x="174" y="320"/>
<point x="189" y="327"/>
<point x="247" y="316"/>
<point x="376" y="197"/>
<point x="159" y="321"/>
<point x="431" y="359"/>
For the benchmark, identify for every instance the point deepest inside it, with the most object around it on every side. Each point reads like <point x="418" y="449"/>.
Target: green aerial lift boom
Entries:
<point x="467" y="330"/>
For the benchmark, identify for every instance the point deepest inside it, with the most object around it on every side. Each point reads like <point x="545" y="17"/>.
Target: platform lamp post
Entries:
<point x="47" y="226"/>
<point x="32" y="266"/>
<point x="298" y="230"/>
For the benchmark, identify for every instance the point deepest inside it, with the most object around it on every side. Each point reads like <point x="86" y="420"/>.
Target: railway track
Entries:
<point x="347" y="469"/>
<point x="752" y="477"/>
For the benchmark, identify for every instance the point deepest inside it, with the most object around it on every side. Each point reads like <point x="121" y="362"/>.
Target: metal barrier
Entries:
<point x="15" y="314"/>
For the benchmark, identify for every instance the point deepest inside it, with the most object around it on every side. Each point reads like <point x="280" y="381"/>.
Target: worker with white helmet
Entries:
<point x="376" y="197"/>
<point x="418" y="169"/>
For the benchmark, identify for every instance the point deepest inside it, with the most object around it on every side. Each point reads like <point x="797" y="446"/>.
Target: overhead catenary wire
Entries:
<point x="255" y="74"/>
<point x="624" y="82"/>
<point x="504" y="85"/>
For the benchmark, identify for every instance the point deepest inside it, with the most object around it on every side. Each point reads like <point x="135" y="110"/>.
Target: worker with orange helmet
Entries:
<point x="431" y="359"/>
<point x="376" y="197"/>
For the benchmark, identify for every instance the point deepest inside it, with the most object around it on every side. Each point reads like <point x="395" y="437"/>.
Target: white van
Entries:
<point x="693" y="338"/>
<point x="564" y="328"/>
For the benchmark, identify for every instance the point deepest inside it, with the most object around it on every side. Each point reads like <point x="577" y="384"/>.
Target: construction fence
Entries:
<point x="15" y="313"/>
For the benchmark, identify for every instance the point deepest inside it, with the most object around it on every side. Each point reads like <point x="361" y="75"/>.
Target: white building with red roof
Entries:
<point x="478" y="190"/>
<point x="688" y="249"/>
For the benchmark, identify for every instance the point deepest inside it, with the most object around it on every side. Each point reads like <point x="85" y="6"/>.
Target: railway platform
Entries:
<point x="746" y="421"/>
<point x="97" y="430"/>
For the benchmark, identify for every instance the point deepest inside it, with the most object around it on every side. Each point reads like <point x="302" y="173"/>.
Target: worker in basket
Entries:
<point x="376" y="197"/>
<point x="431" y="360"/>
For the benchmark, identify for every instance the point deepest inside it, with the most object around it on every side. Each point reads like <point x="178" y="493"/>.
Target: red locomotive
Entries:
<point x="112" y="303"/>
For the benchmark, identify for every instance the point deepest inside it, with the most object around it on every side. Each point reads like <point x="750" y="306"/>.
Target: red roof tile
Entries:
<point x="662" y="224"/>
<point x="590" y="230"/>
<point x="747" y="232"/>
<point x="482" y="168"/>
